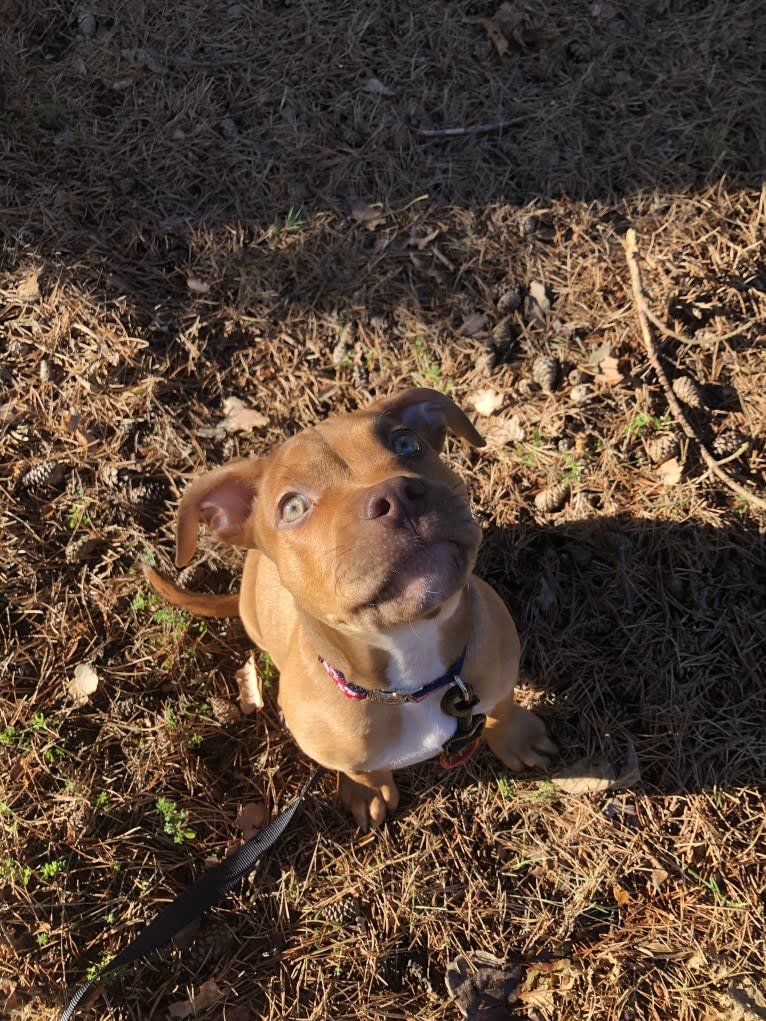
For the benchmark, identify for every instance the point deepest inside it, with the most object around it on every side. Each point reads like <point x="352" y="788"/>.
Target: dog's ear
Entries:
<point x="223" y="499"/>
<point x="430" y="414"/>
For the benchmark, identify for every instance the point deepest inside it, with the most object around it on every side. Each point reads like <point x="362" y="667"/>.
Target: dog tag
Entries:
<point x="458" y="702"/>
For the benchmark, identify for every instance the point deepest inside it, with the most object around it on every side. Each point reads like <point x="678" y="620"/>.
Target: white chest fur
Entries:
<point x="415" y="659"/>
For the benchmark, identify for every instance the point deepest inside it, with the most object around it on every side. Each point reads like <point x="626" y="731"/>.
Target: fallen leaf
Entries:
<point x="670" y="472"/>
<point x="366" y="214"/>
<point x="9" y="999"/>
<point x="495" y="36"/>
<point x="621" y="895"/>
<point x="599" y="353"/>
<point x="657" y="878"/>
<point x="508" y="18"/>
<point x="537" y="306"/>
<point x="377" y="88"/>
<point x="240" y="418"/>
<point x="585" y="777"/>
<point x="500" y="431"/>
<point x="251" y="818"/>
<point x="84" y="682"/>
<point x="473" y="324"/>
<point x="209" y="994"/>
<point x="610" y="372"/>
<point x="250" y="687"/>
<point x="487" y="402"/>
<point x="543" y="999"/>
<point x="480" y="982"/>
<point x="83" y="436"/>
<point x="197" y="286"/>
<point x="28" y="287"/>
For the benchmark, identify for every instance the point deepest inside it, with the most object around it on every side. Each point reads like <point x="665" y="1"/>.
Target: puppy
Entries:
<point x="358" y="582"/>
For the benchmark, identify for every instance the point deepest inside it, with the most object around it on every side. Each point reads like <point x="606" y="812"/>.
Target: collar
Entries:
<point x="393" y="697"/>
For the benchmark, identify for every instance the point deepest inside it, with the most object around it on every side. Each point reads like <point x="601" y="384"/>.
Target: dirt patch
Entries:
<point x="305" y="208"/>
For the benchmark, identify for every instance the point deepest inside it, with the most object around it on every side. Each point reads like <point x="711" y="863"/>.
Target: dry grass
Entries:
<point x="179" y="233"/>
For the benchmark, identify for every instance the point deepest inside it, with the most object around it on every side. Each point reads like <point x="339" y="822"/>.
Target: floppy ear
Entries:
<point x="223" y="499"/>
<point x="430" y="414"/>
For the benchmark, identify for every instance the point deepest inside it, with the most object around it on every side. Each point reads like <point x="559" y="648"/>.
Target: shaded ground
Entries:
<point x="238" y="201"/>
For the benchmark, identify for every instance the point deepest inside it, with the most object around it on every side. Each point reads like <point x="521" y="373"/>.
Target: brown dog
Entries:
<point x="358" y="583"/>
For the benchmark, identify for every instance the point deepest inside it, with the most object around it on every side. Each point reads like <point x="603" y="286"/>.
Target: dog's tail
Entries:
<point x="201" y="604"/>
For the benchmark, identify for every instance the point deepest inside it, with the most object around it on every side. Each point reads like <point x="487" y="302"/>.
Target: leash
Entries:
<point x="197" y="898"/>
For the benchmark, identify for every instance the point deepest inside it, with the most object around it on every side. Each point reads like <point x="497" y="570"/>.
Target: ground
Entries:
<point x="306" y="207"/>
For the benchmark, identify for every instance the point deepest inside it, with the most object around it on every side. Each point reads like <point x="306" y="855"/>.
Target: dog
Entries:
<point x="358" y="582"/>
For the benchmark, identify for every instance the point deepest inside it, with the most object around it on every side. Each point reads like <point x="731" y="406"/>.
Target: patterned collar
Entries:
<point x="389" y="697"/>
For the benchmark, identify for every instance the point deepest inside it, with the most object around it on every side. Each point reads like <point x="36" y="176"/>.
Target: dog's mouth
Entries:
<point x="416" y="582"/>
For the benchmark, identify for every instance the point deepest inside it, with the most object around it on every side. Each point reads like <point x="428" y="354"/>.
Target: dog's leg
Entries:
<point x="518" y="737"/>
<point x="368" y="796"/>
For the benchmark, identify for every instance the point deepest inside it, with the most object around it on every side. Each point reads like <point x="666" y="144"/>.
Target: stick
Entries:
<point x="633" y="257"/>
<point x="473" y="129"/>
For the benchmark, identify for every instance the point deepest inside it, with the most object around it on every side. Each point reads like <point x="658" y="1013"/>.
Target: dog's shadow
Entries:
<point x="643" y="635"/>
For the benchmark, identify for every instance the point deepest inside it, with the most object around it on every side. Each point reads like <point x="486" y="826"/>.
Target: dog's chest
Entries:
<point x="417" y="730"/>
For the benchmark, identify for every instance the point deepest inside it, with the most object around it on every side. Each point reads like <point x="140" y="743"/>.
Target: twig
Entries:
<point x="639" y="300"/>
<point x="473" y="129"/>
<point x="706" y="341"/>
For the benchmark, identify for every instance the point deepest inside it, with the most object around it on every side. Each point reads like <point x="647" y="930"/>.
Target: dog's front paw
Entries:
<point x="520" y="739"/>
<point x="369" y="796"/>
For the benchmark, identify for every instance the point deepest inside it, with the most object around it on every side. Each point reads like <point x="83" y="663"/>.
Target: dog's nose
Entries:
<point x="395" y="500"/>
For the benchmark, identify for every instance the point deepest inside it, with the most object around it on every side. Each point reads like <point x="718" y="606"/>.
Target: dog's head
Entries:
<point x="367" y="526"/>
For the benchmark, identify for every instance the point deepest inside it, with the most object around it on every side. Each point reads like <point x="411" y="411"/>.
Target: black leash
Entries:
<point x="208" y="890"/>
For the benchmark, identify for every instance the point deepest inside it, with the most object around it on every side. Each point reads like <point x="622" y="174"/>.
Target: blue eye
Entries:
<point x="405" y="443"/>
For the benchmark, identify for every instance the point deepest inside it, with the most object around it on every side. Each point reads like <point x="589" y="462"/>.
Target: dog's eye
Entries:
<point x="405" y="443"/>
<point x="293" y="507"/>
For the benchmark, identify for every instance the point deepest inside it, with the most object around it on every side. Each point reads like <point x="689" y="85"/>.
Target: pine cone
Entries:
<point x="508" y="300"/>
<point x="46" y="475"/>
<point x="728" y="443"/>
<point x="545" y="372"/>
<point x="109" y="475"/>
<point x="552" y="498"/>
<point x="80" y="549"/>
<point x="148" y="491"/>
<point x="688" y="390"/>
<point x="210" y="945"/>
<point x="502" y="337"/>
<point x="662" y="447"/>
<point x="346" y="912"/>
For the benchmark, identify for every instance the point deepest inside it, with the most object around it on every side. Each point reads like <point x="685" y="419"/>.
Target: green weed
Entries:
<point x="78" y="515"/>
<point x="49" y="870"/>
<point x="429" y="371"/>
<point x="527" y="453"/>
<point x="643" y="421"/>
<point x="294" y="222"/>
<point x="103" y="801"/>
<point x="506" y="786"/>
<point x="13" y="873"/>
<point x="711" y="883"/>
<point x="570" y="472"/>
<point x="10" y="736"/>
<point x="142" y="602"/>
<point x="174" y="821"/>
